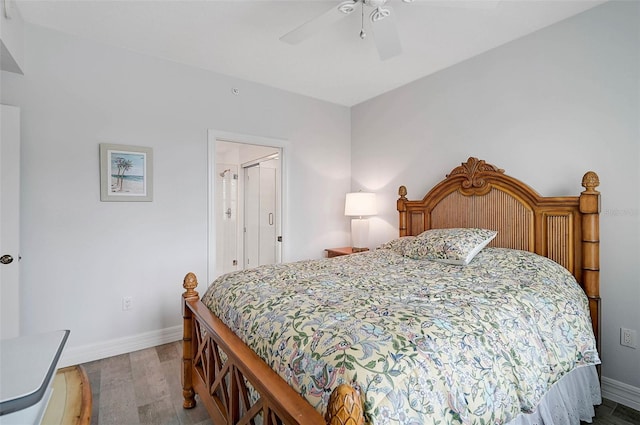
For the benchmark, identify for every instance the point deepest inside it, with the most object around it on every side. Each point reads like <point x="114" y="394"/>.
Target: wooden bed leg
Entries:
<point x="345" y="407"/>
<point x="189" y="284"/>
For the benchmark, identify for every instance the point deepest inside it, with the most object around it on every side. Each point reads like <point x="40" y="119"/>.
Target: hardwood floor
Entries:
<point x="143" y="388"/>
<point x="611" y="413"/>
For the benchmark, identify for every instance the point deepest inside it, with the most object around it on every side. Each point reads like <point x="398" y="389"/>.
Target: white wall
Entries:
<point x="80" y="255"/>
<point x="546" y="108"/>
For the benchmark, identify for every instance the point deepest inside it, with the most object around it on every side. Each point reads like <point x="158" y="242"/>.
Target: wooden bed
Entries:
<point x="217" y="365"/>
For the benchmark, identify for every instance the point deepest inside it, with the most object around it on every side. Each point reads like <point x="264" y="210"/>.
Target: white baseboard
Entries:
<point x="88" y="353"/>
<point x="621" y="393"/>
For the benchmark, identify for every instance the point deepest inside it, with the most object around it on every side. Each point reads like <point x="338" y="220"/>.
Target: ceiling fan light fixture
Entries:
<point x="374" y="3"/>
<point x="379" y="13"/>
<point x="347" y="6"/>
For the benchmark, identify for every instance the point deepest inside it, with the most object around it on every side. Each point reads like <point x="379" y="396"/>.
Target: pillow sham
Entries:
<point x="453" y="246"/>
<point x="398" y="245"/>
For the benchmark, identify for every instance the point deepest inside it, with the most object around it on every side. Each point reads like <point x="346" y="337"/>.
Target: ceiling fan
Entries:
<point x="382" y="24"/>
<point x="382" y="19"/>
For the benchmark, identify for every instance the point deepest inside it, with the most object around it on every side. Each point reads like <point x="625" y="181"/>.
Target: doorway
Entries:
<point x="245" y="205"/>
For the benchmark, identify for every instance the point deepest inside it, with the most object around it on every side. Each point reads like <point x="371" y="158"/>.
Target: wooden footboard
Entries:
<point x="236" y="385"/>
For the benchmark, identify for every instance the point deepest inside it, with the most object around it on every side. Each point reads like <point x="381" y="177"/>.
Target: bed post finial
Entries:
<point x="190" y="283"/>
<point x="590" y="181"/>
<point x="345" y="406"/>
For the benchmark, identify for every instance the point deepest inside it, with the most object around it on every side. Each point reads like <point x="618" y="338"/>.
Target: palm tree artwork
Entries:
<point x="123" y="165"/>
<point x="126" y="173"/>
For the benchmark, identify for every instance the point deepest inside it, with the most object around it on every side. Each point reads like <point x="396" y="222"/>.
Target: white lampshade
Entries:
<point x="360" y="204"/>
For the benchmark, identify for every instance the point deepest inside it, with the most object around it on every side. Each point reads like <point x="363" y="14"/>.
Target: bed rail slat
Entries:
<point x="559" y="239"/>
<point x="497" y="210"/>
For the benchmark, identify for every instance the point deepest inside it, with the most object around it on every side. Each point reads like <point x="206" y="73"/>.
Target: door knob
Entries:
<point x="6" y="259"/>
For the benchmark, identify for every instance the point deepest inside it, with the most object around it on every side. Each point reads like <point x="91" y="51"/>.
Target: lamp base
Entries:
<point x="359" y="234"/>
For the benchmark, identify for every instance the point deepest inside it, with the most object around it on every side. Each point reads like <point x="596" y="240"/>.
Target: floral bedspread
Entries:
<point x="427" y="342"/>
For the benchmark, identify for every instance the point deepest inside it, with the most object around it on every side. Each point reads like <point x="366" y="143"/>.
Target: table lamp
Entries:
<point x="359" y="205"/>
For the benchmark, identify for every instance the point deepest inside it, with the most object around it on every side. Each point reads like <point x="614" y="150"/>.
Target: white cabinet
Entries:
<point x="27" y="367"/>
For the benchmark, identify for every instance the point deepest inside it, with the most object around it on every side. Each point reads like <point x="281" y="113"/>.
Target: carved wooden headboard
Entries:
<point x="476" y="194"/>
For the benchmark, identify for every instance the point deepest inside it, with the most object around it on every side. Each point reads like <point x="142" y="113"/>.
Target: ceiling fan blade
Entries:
<point x="386" y="36"/>
<point x="317" y="24"/>
<point x="466" y="4"/>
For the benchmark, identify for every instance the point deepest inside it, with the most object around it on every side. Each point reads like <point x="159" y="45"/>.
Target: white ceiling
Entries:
<point x="241" y="38"/>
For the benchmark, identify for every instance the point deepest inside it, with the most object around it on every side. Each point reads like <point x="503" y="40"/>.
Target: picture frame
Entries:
<point x="126" y="173"/>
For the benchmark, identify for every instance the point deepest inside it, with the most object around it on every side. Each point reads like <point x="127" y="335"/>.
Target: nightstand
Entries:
<point x="336" y="252"/>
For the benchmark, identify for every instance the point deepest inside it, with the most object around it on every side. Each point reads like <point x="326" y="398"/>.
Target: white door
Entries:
<point x="9" y="221"/>
<point x="251" y="216"/>
<point x="268" y="242"/>
<point x="260" y="215"/>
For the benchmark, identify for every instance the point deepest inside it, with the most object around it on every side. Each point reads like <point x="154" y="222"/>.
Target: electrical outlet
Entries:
<point x="127" y="303"/>
<point x="628" y="338"/>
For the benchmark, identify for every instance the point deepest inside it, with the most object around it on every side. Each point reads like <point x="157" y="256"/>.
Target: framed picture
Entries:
<point x="126" y="173"/>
